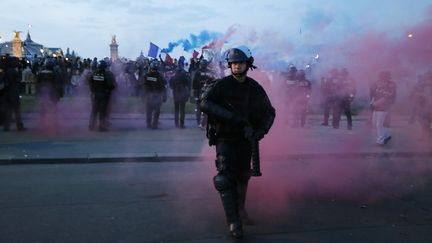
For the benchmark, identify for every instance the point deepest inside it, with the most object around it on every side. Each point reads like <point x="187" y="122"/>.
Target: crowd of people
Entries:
<point x="50" y="79"/>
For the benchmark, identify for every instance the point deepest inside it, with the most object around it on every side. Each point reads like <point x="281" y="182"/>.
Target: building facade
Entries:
<point x="27" y="49"/>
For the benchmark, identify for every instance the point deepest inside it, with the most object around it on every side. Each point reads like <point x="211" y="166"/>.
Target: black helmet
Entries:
<point x="203" y="64"/>
<point x="154" y="66"/>
<point x="292" y="72"/>
<point x="49" y="64"/>
<point x="102" y="65"/>
<point x="292" y="69"/>
<point x="301" y="74"/>
<point x="240" y="54"/>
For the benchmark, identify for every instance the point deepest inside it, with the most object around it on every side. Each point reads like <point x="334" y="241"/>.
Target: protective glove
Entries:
<point x="259" y="134"/>
<point x="249" y="133"/>
<point x="252" y="134"/>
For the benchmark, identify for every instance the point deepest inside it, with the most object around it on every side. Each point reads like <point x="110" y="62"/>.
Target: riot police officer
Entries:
<point x="301" y="98"/>
<point x="154" y="92"/>
<point x="345" y="93"/>
<point x="423" y="104"/>
<point x="12" y="100"/>
<point x="102" y="82"/>
<point x="240" y="113"/>
<point x="201" y="79"/>
<point x="180" y="85"/>
<point x="328" y="94"/>
<point x="2" y="89"/>
<point x="291" y="85"/>
<point x="49" y="89"/>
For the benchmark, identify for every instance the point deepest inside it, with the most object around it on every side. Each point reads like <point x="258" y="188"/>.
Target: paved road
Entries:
<point x="128" y="140"/>
<point x="356" y="200"/>
<point x="319" y="184"/>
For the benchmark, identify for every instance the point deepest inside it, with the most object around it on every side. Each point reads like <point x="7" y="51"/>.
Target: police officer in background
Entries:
<point x="291" y="85"/>
<point x="423" y="104"/>
<point x="101" y="82"/>
<point x="328" y="94"/>
<point x="201" y="79"/>
<point x="204" y="118"/>
<point x="12" y="100"/>
<point x="180" y="85"/>
<point x="2" y="90"/>
<point x="154" y="92"/>
<point x="49" y="89"/>
<point x="239" y="113"/>
<point x="345" y="93"/>
<point x="301" y="98"/>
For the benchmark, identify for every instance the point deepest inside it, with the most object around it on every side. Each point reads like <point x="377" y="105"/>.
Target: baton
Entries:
<point x="256" y="170"/>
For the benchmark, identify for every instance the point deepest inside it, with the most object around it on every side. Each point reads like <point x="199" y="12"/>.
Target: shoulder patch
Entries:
<point x="151" y="79"/>
<point x="98" y="77"/>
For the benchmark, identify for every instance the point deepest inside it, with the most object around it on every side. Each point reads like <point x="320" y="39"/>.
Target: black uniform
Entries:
<point x="345" y="93"/>
<point x="417" y="100"/>
<point x="290" y="89"/>
<point x="301" y="100"/>
<point x="49" y="89"/>
<point x="12" y="101"/>
<point x="2" y="91"/>
<point x="233" y="106"/>
<point x="154" y="85"/>
<point x="328" y="93"/>
<point x="201" y="79"/>
<point x="423" y="106"/>
<point x="180" y="84"/>
<point x="102" y="82"/>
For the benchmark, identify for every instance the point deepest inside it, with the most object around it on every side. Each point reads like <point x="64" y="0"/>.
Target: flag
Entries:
<point x="195" y="54"/>
<point x="213" y="44"/>
<point x="153" y="50"/>
<point x="169" y="59"/>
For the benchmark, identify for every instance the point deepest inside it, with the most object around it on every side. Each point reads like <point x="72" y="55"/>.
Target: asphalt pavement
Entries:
<point x="129" y="140"/>
<point x="133" y="184"/>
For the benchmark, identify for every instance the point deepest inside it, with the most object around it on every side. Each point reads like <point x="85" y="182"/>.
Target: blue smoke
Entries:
<point x="317" y="20"/>
<point x="194" y="41"/>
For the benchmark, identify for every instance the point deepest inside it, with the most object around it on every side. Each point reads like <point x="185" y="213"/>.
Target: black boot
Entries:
<point x="228" y="193"/>
<point x="236" y="230"/>
<point x="20" y="127"/>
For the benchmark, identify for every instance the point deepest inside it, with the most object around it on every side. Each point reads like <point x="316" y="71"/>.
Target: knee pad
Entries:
<point x="220" y="163"/>
<point x="222" y="182"/>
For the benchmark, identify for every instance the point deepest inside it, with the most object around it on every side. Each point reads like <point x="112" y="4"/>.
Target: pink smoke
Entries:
<point x="359" y="180"/>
